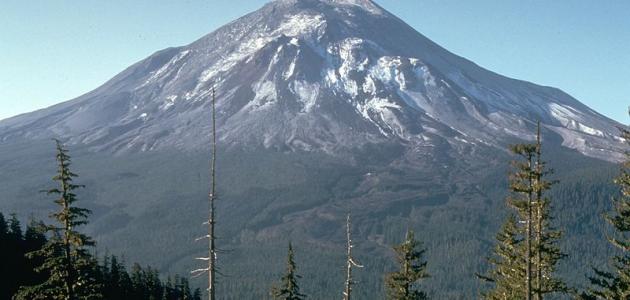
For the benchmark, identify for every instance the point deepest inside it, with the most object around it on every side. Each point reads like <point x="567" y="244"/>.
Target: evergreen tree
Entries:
<point x="616" y="284"/>
<point x="34" y="239"/>
<point x="289" y="288"/>
<point x="529" y="244"/>
<point x="4" y="252"/>
<point x="508" y="265"/>
<point x="14" y="244"/>
<point x="10" y="253"/>
<point x="116" y="282"/>
<point x="4" y="227"/>
<point x="138" y="282"/>
<point x="402" y="285"/>
<point x="546" y="251"/>
<point x="72" y="270"/>
<point x="15" y="229"/>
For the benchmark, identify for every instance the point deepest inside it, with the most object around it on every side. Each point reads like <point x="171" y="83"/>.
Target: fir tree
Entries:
<point x="529" y="244"/>
<point x="15" y="229"/>
<point x="34" y="239"/>
<point x="72" y="270"/>
<point x="547" y="254"/>
<point x="402" y="285"/>
<point x="4" y="227"/>
<point x="14" y="261"/>
<point x="289" y="288"/>
<point x="508" y="265"/>
<point x="616" y="284"/>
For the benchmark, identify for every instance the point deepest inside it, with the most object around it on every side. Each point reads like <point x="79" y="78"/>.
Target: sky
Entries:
<point x="55" y="50"/>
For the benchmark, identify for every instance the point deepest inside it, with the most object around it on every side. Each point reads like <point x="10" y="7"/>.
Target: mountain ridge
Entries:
<point x="323" y="109"/>
<point x="386" y="80"/>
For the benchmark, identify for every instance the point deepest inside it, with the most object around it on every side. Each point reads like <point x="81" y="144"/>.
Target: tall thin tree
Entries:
<point x="402" y="285"/>
<point x="288" y="288"/>
<point x="350" y="262"/>
<point x="547" y="253"/>
<point x="529" y="244"/>
<point x="211" y="268"/>
<point x="521" y="184"/>
<point x="71" y="268"/>
<point x="508" y="265"/>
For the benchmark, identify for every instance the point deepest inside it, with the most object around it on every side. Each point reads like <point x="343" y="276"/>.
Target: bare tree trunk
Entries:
<point x="537" y="184"/>
<point x="211" y="222"/>
<point x="349" y="263"/>
<point x="211" y="219"/>
<point x="528" y="237"/>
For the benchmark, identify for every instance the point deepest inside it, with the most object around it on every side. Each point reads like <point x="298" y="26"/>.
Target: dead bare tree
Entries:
<point x="211" y="222"/>
<point x="349" y="263"/>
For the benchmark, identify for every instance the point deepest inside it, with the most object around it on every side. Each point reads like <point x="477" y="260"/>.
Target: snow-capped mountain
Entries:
<point x="315" y="75"/>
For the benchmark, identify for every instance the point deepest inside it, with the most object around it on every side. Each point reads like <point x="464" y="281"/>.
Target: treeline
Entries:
<point x="110" y="273"/>
<point x="524" y="261"/>
<point x="54" y="261"/>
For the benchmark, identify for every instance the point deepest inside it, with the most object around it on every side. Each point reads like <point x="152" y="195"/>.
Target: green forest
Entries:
<point x="54" y="259"/>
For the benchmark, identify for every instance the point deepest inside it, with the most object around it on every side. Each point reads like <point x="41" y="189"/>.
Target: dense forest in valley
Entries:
<point x="528" y="259"/>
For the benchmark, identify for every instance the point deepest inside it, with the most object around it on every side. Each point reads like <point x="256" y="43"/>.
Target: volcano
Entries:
<point x="323" y="107"/>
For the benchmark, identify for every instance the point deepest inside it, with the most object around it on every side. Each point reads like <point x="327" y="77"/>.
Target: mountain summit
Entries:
<point x="324" y="107"/>
<point x="315" y="75"/>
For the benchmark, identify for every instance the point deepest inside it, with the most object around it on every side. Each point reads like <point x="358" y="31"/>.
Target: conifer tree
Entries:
<point x="34" y="239"/>
<point x="508" y="265"/>
<point x="4" y="227"/>
<point x="402" y="285"/>
<point x="616" y="284"/>
<point x="14" y="261"/>
<point x="15" y="229"/>
<point x="546" y="251"/>
<point x="529" y="244"/>
<point x="71" y="269"/>
<point x="288" y="288"/>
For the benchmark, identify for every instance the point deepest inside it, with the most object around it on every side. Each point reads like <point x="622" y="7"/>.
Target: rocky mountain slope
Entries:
<point x="315" y="75"/>
<point x="324" y="107"/>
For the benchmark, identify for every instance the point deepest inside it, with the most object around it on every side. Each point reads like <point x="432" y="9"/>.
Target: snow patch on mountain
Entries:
<point x="266" y="95"/>
<point x="364" y="4"/>
<point x="306" y="93"/>
<point x="304" y="25"/>
<point x="340" y="73"/>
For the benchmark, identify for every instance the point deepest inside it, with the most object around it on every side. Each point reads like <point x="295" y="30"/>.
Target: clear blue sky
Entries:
<point x="55" y="50"/>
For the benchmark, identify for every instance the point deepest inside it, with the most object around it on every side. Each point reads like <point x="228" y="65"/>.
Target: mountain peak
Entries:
<point x="367" y="5"/>
<point x="317" y="75"/>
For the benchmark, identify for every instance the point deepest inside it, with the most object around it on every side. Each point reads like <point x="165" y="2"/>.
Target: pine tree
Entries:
<point x="402" y="285"/>
<point x="71" y="269"/>
<point x="15" y="229"/>
<point x="546" y="251"/>
<point x="508" y="265"/>
<point x="616" y="284"/>
<point x="14" y="261"/>
<point x="4" y="227"/>
<point x="34" y="239"/>
<point x="289" y="288"/>
<point x="138" y="282"/>
<point x="5" y="250"/>
<point x="529" y="244"/>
